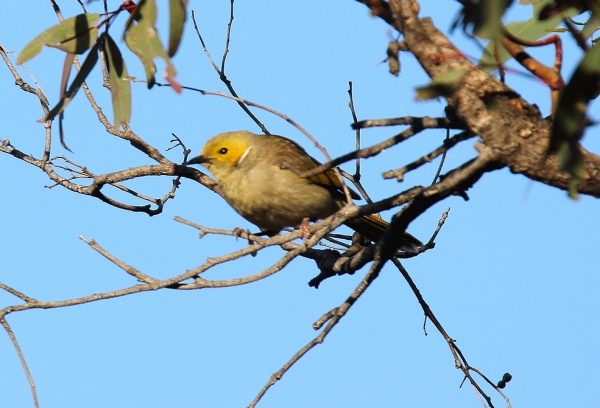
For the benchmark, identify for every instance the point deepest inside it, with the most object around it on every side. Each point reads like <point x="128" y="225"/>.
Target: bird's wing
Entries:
<point x="294" y="157"/>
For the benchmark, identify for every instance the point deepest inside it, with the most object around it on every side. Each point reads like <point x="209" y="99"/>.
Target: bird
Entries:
<point x="259" y="176"/>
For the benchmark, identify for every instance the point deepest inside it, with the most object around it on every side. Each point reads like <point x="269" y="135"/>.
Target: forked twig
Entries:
<point x="221" y="71"/>
<point x="331" y="318"/>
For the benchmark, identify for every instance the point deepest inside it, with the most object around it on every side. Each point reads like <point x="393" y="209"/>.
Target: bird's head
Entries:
<point x="224" y="152"/>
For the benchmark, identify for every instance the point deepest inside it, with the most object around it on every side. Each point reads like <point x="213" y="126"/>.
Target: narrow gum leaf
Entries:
<point x="570" y="118"/>
<point x="529" y="30"/>
<point x="142" y="39"/>
<point x="67" y="66"/>
<point x="79" y="44"/>
<point x="573" y="193"/>
<point x="442" y="85"/>
<point x="136" y="42"/>
<point x="177" y="14"/>
<point x="160" y="52"/>
<point x="137" y="36"/>
<point x="488" y="18"/>
<point x="68" y="29"/>
<point x="33" y="48"/>
<point x="120" y="86"/>
<point x="86" y="68"/>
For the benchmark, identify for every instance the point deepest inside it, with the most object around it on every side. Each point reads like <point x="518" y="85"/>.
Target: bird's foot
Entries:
<point x="304" y="229"/>
<point x="238" y="232"/>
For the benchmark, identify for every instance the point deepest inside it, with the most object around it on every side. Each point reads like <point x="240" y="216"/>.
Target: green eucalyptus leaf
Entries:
<point x="75" y="35"/>
<point x="177" y="14"/>
<point x="442" y="85"/>
<point x="142" y="39"/>
<point x="528" y="30"/>
<point x="120" y="84"/>
<point x="86" y="68"/>
<point x="570" y="118"/>
<point x="488" y="18"/>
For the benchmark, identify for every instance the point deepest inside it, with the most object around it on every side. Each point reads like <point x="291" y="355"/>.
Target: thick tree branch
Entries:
<point x="513" y="128"/>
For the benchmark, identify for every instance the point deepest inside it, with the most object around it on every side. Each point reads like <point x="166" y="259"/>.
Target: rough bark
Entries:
<point x="512" y="127"/>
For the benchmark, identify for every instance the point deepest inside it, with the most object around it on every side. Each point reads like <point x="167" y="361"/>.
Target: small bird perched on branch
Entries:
<point x="259" y="178"/>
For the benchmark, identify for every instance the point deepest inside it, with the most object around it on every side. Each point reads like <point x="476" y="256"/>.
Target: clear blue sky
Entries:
<point x="514" y="277"/>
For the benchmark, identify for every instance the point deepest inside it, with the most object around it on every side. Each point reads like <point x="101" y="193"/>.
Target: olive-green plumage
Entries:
<point x="258" y="176"/>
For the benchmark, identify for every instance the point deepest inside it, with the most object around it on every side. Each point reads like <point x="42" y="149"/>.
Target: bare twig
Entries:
<point x="355" y="178"/>
<point x="424" y="122"/>
<point x="331" y="318"/>
<point x="448" y="144"/>
<point x="16" y="293"/>
<point x="228" y="37"/>
<point x="35" y="91"/>
<point x="364" y="153"/>
<point x="443" y="159"/>
<point x="15" y="343"/>
<point x="221" y="71"/>
<point x="122" y="265"/>
<point x="357" y="129"/>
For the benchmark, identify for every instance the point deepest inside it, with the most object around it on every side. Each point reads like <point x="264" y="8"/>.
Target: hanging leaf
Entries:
<point x="120" y="85"/>
<point x="74" y="35"/>
<point x="488" y="18"/>
<point x="177" y="14"/>
<point x="86" y="68"/>
<point x="528" y="30"/>
<point x="64" y="80"/>
<point x="142" y="39"/>
<point x="442" y="85"/>
<point x="571" y="118"/>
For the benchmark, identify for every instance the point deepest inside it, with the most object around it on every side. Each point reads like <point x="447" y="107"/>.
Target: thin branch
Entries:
<point x="99" y="181"/>
<point x="366" y="152"/>
<point x="332" y="318"/>
<point x="355" y="178"/>
<point x="443" y="159"/>
<point x="228" y="37"/>
<point x="384" y="248"/>
<point x="319" y="230"/>
<point x="81" y="171"/>
<point x="16" y="293"/>
<point x="39" y="92"/>
<point x="270" y="110"/>
<point x="459" y="359"/>
<point x="441" y="150"/>
<point x="458" y="362"/>
<point x="221" y="72"/>
<point x="217" y="231"/>
<point x="425" y="122"/>
<point x="357" y="129"/>
<point x="122" y="265"/>
<point x="15" y="343"/>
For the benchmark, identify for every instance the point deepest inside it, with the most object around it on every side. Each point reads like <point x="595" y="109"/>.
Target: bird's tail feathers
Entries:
<point x="373" y="227"/>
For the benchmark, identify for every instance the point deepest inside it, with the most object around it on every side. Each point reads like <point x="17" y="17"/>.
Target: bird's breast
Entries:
<point x="273" y="198"/>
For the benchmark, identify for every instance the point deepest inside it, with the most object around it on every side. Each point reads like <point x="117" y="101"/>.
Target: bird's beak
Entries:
<point x="198" y="160"/>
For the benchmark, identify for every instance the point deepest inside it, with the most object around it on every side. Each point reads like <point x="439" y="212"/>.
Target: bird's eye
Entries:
<point x="223" y="150"/>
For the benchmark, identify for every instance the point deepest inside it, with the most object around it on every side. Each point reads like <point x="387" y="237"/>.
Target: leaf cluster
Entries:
<point x="80" y="34"/>
<point x="571" y="100"/>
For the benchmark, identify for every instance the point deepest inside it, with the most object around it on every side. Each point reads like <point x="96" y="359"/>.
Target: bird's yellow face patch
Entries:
<point x="225" y="150"/>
